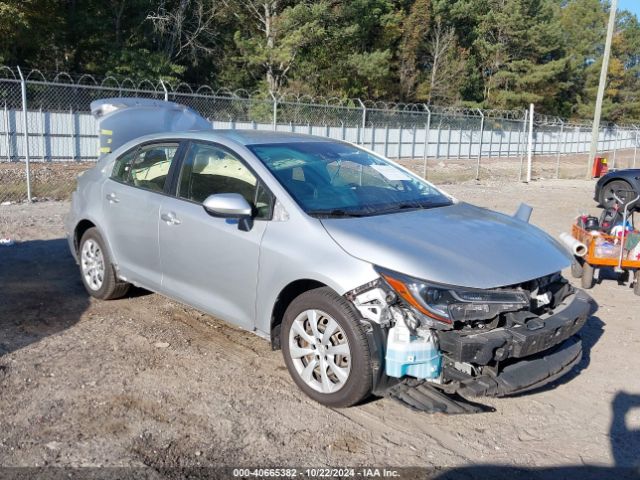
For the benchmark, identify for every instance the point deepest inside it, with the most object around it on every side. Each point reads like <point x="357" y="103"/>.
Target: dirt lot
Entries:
<point x="148" y="381"/>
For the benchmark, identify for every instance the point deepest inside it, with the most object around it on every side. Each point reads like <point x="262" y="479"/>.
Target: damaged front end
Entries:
<point x="478" y="343"/>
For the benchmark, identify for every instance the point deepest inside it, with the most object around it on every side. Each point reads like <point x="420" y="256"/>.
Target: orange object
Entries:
<point x="591" y="258"/>
<point x="600" y="167"/>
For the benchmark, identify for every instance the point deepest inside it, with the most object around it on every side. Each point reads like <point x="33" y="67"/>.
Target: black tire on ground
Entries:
<point x="606" y="193"/>
<point x="587" y="276"/>
<point x="636" y="286"/>
<point x="112" y="287"/>
<point x="359" y="382"/>
<point x="576" y="267"/>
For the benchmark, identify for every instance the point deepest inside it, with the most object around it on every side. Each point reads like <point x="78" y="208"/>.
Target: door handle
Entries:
<point x="112" y="197"/>
<point x="170" y="218"/>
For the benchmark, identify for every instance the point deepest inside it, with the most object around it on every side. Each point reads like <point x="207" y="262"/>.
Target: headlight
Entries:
<point x="447" y="304"/>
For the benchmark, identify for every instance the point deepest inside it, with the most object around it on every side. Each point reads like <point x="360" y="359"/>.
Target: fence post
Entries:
<point x="521" y="134"/>
<point x="373" y="138"/>
<point x="6" y="132"/>
<point x="413" y="144"/>
<point x="635" y="146"/>
<point x="43" y="143"/>
<point x="23" y="88"/>
<point x="470" y="142"/>
<point x="480" y="149"/>
<point x="275" y="111"/>
<point x="615" y="146"/>
<point x="386" y="140"/>
<point x="166" y="93"/>
<point x="75" y="125"/>
<point x="364" y="122"/>
<point x="530" y="142"/>
<point x="427" y="128"/>
<point x="558" y="153"/>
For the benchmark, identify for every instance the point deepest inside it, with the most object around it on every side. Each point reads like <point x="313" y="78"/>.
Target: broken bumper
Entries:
<point x="526" y="374"/>
<point x="518" y="341"/>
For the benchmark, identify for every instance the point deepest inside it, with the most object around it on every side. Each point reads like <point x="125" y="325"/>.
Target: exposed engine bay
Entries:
<point x="473" y="342"/>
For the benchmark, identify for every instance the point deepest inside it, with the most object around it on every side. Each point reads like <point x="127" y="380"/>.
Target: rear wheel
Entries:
<point x="97" y="272"/>
<point x="587" y="275"/>
<point x="621" y="188"/>
<point x="325" y="348"/>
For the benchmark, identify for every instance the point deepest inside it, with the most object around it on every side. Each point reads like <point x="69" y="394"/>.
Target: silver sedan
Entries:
<point x="364" y="274"/>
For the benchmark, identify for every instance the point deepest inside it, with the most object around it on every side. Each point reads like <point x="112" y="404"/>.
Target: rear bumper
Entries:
<point x="518" y="341"/>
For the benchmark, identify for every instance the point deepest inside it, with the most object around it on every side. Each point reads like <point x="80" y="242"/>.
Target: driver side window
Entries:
<point x="208" y="170"/>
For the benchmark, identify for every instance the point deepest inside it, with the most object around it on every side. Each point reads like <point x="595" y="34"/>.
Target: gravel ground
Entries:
<point x="146" y="381"/>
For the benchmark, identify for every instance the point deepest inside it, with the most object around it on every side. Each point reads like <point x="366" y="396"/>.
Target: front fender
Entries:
<point x="306" y="252"/>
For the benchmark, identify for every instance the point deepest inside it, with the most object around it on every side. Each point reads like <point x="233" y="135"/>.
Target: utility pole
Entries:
<point x="603" y="81"/>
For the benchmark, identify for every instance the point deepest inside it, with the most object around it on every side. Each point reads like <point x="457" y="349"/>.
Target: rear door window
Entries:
<point x="146" y="167"/>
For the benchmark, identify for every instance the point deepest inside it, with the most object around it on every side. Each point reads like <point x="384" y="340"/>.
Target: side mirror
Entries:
<point x="230" y="205"/>
<point x="227" y="205"/>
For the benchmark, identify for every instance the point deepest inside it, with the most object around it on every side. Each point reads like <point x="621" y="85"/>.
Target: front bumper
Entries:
<point x="518" y="341"/>
<point x="521" y="375"/>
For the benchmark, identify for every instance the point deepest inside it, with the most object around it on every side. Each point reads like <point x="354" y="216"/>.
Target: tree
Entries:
<point x="445" y="64"/>
<point x="273" y="35"/>
<point x="186" y="27"/>
<point x="477" y="53"/>
<point x="415" y="29"/>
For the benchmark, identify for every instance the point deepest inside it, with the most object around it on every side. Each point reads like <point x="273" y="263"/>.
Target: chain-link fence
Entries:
<point x="48" y="136"/>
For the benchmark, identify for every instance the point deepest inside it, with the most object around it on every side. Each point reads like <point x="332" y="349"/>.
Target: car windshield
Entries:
<point x="331" y="179"/>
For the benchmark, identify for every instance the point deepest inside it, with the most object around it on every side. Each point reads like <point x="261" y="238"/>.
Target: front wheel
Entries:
<point x="326" y="349"/>
<point x="621" y="188"/>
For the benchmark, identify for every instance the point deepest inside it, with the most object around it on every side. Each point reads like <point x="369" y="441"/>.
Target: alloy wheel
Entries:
<point x="92" y="264"/>
<point x="320" y="351"/>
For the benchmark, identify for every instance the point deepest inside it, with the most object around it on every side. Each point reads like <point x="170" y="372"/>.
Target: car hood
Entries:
<point x="457" y="245"/>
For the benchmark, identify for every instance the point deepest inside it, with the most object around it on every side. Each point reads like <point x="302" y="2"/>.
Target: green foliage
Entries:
<point x="486" y="53"/>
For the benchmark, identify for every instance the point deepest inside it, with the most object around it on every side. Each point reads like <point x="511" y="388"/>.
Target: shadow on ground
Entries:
<point x="625" y="450"/>
<point x="41" y="293"/>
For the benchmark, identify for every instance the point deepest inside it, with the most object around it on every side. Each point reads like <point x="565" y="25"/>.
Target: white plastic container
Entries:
<point x="414" y="355"/>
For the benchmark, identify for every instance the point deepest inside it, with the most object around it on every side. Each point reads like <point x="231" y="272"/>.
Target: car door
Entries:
<point x="131" y="205"/>
<point x="207" y="261"/>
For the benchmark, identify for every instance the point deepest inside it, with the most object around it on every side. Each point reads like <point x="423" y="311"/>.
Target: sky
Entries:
<point x="631" y="5"/>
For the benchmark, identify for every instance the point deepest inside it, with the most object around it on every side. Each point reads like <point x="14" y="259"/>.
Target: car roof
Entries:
<point x="241" y="137"/>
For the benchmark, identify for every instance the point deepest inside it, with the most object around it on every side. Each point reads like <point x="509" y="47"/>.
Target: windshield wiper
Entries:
<point x="412" y="206"/>
<point x="334" y="212"/>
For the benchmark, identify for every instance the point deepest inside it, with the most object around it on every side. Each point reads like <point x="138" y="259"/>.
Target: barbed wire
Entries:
<point x="176" y="88"/>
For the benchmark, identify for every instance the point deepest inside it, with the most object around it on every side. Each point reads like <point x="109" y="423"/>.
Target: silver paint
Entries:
<point x="175" y="247"/>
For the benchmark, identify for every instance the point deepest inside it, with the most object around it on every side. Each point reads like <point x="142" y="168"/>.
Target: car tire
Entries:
<point x="587" y="276"/>
<point x="347" y="378"/>
<point x="576" y="268"/>
<point x="606" y="192"/>
<point x="96" y="270"/>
